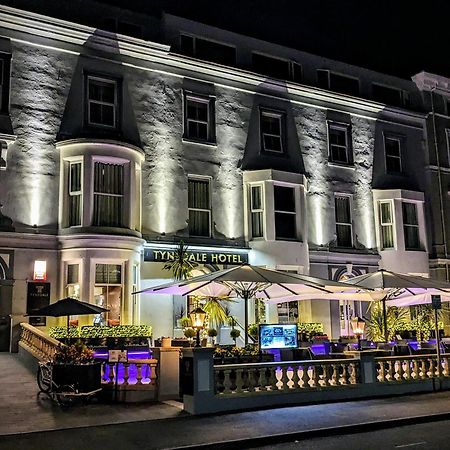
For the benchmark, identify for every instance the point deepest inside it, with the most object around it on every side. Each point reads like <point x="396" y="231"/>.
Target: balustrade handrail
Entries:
<point x="425" y="356"/>
<point x="41" y="334"/>
<point x="36" y="342"/>
<point x="310" y="362"/>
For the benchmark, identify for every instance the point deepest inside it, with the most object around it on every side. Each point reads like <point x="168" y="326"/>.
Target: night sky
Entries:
<point x="393" y="36"/>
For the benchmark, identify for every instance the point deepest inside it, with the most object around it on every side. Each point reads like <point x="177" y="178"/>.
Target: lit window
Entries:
<point x="339" y="144"/>
<point x="257" y="210"/>
<point x="271" y="132"/>
<point x="410" y="226"/>
<point x="285" y="213"/>
<point x="199" y="206"/>
<point x="75" y="194"/>
<point x="102" y="102"/>
<point x="108" y="291"/>
<point x="392" y="150"/>
<point x="73" y="281"/>
<point x="108" y="195"/>
<point x="344" y="233"/>
<point x="199" y="118"/>
<point x="386" y="225"/>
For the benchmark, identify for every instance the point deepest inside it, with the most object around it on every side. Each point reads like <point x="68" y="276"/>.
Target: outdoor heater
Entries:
<point x="198" y="316"/>
<point x="358" y="325"/>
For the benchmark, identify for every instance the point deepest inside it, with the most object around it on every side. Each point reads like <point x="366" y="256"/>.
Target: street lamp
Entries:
<point x="198" y="316"/>
<point x="358" y="325"/>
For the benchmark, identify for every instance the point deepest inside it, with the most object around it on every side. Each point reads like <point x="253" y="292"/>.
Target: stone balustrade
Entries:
<point x="402" y="369"/>
<point x="132" y="373"/>
<point x="36" y="342"/>
<point x="284" y="377"/>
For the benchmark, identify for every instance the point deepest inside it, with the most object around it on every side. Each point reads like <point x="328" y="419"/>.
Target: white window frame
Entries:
<point x="208" y="179"/>
<point x="206" y="101"/>
<point x="256" y="210"/>
<point x="387" y="224"/>
<point x="98" y="102"/>
<point x="399" y="157"/>
<point x="293" y="213"/>
<point x="66" y="276"/>
<point x="124" y="181"/>
<point x="75" y="193"/>
<point x="416" y="226"/>
<point x="275" y="115"/>
<point x="346" y="129"/>
<point x="350" y="224"/>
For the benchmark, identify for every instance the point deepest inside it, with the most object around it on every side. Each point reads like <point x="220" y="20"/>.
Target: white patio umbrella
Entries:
<point x="248" y="281"/>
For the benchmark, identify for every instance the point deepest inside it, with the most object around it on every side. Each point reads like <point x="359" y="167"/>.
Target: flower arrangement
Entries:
<point x="77" y="353"/>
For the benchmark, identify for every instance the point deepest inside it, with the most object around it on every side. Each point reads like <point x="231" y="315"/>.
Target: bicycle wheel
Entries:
<point x="43" y="378"/>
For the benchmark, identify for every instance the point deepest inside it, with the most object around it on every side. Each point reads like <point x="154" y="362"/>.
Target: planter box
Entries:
<point x="84" y="377"/>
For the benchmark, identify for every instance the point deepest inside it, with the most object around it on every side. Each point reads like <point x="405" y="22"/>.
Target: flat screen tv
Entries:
<point x="278" y="336"/>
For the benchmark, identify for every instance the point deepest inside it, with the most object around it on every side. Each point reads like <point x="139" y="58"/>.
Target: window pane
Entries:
<point x="409" y="214"/>
<point x="285" y="226"/>
<point x="102" y="91"/>
<point x="273" y="67"/>
<point x="387" y="236"/>
<point x="257" y="224"/>
<point x="338" y="136"/>
<point x="270" y="124"/>
<point x="411" y="238"/>
<point x="387" y="95"/>
<point x="284" y="198"/>
<point x="342" y="205"/>
<point x="187" y="45"/>
<point x="199" y="223"/>
<point x="75" y="177"/>
<point x="108" y="178"/>
<point x="72" y="273"/>
<point x="107" y="211"/>
<point x="272" y="143"/>
<point x="74" y="210"/>
<point x="256" y="197"/>
<point x="114" y="274"/>
<point x="101" y="273"/>
<point x="392" y="147"/>
<point x="343" y="84"/>
<point x="338" y="154"/>
<point x="198" y="194"/>
<point x="215" y="52"/>
<point x="385" y="209"/>
<point x="344" y="235"/>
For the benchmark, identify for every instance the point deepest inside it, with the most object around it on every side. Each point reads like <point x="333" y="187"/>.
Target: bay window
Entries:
<point x="108" y="291"/>
<point x="386" y="225"/>
<point x="75" y="193"/>
<point x="257" y="211"/>
<point x="108" y="194"/>
<point x="73" y="281"/>
<point x="199" y="206"/>
<point x="285" y="212"/>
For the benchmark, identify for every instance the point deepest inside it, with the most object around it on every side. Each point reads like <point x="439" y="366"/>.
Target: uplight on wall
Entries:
<point x="40" y="271"/>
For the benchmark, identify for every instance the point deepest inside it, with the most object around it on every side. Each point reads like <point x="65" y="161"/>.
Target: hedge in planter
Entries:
<point x="93" y="332"/>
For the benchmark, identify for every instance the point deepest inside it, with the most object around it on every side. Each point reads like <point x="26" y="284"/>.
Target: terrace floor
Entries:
<point x="22" y="410"/>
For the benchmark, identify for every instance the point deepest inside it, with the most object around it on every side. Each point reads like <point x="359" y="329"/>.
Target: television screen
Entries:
<point x="278" y="336"/>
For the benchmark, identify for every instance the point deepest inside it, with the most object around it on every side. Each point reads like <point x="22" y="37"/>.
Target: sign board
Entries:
<point x="117" y="356"/>
<point x="37" y="321"/>
<point x="278" y="336"/>
<point x="200" y="257"/>
<point x="436" y="302"/>
<point x="38" y="296"/>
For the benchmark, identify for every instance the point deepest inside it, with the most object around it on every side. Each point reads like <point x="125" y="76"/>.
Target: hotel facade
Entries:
<point x="122" y="138"/>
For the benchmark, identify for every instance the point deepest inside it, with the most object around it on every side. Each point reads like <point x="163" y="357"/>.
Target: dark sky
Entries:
<point x="396" y="36"/>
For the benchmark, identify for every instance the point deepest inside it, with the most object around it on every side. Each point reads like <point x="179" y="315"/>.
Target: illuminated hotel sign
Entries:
<point x="198" y="256"/>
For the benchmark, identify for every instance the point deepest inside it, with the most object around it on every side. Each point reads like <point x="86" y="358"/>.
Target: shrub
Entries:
<point x="212" y="332"/>
<point x="189" y="333"/>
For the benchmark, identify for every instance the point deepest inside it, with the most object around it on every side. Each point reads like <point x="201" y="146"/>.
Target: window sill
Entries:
<point x="200" y="143"/>
<point x="341" y="165"/>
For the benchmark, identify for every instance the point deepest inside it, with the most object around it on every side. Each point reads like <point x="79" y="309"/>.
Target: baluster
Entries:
<point x="138" y="374"/>
<point x="353" y="378"/>
<point x="381" y="372"/>
<point x="125" y="372"/>
<point x="306" y="379"/>
<point x="334" y="376"/>
<point x="423" y="369"/>
<point x="431" y="365"/>
<point x="273" y="380"/>
<point x="104" y="376"/>
<point x="390" y="375"/>
<point x="295" y="378"/>
<point x="111" y="374"/>
<point x="284" y="379"/>
<point x="261" y="379"/>
<point x="227" y="381"/>
<point x="239" y="380"/>
<point x="407" y="369"/>
<point x="218" y="382"/>
<point x="399" y="371"/>
<point x="343" y="378"/>
<point x="445" y="366"/>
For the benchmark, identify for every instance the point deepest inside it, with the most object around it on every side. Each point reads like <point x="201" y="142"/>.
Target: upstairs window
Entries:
<point x="344" y="234"/>
<point x="338" y="83"/>
<point x="410" y="226"/>
<point x="207" y="50"/>
<point x="277" y="68"/>
<point x="392" y="149"/>
<point x="199" y="206"/>
<point x="102" y="102"/>
<point x="257" y="211"/>
<point x="389" y="95"/>
<point x="5" y="70"/>
<point x="126" y="28"/>
<point x="272" y="131"/>
<point x="386" y="225"/>
<point x="108" y="194"/>
<point x="199" y="118"/>
<point x="339" y="144"/>
<point x="75" y="194"/>
<point x="73" y="281"/>
<point x="285" y="213"/>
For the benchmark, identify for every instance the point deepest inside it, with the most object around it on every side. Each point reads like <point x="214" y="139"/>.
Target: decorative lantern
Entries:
<point x="198" y="316"/>
<point x="358" y="325"/>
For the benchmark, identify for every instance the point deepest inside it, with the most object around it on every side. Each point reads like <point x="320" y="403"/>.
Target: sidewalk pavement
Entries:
<point x="242" y="429"/>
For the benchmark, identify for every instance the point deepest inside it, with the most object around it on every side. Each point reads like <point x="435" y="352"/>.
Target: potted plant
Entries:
<point x="185" y="322"/>
<point x="234" y="334"/>
<point x="190" y="334"/>
<point x="75" y="365"/>
<point x="212" y="333"/>
<point x="252" y="331"/>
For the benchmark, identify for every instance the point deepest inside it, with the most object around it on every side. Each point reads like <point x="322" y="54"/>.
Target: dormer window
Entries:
<point x="207" y="50"/>
<point x="337" y="82"/>
<point x="392" y="149"/>
<point x="272" y="124"/>
<point x="102" y="102"/>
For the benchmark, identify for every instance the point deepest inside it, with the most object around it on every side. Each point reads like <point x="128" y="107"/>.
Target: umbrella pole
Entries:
<point x="245" y="317"/>
<point x="385" y="328"/>
<point x="68" y="322"/>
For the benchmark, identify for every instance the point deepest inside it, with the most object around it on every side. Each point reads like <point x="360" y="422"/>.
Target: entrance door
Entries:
<point x="5" y="311"/>
<point x="5" y="333"/>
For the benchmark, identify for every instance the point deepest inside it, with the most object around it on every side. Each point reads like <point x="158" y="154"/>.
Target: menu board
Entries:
<point x="278" y="336"/>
